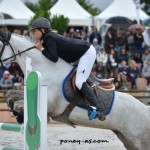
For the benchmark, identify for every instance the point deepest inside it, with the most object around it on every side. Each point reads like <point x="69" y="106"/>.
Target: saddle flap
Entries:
<point x="105" y="84"/>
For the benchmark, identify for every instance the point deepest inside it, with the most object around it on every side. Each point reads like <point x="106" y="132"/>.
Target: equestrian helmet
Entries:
<point x="40" y="23"/>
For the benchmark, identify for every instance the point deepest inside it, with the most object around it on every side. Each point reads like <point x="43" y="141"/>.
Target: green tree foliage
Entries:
<point x="41" y="5"/>
<point x="146" y="6"/>
<point x="89" y="7"/>
<point x="41" y="9"/>
<point x="60" y="23"/>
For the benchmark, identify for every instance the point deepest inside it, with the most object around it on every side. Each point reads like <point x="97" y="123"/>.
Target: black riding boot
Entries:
<point x="90" y="96"/>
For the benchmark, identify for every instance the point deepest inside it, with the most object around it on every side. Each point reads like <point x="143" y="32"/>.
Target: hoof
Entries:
<point x="20" y="118"/>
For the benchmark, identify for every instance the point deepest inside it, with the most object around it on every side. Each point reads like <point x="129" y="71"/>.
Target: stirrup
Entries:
<point x="92" y="113"/>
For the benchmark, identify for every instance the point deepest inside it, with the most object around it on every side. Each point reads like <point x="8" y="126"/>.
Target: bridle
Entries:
<point x="4" y="38"/>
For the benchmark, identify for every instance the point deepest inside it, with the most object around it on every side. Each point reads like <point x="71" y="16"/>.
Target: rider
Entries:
<point x="53" y="46"/>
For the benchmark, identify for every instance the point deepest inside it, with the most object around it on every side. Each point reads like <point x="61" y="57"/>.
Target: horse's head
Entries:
<point x="12" y="45"/>
<point x="4" y="42"/>
<point x="17" y="47"/>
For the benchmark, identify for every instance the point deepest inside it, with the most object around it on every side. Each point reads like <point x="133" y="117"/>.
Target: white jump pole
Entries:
<point x="35" y="125"/>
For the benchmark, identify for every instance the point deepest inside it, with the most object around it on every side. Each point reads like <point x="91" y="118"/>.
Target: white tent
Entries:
<point x="17" y="10"/>
<point x="72" y="10"/>
<point x="123" y="8"/>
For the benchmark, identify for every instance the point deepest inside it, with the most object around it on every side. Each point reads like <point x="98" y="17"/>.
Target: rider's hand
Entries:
<point x="39" y="46"/>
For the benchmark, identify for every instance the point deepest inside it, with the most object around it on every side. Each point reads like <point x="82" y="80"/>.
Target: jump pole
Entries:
<point x="11" y="127"/>
<point x="35" y="118"/>
<point x="35" y="115"/>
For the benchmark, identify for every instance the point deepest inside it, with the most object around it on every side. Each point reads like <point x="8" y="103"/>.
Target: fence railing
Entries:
<point x="142" y="95"/>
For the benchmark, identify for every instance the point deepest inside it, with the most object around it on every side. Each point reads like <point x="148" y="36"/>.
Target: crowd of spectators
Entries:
<point x="11" y="76"/>
<point x="124" y="56"/>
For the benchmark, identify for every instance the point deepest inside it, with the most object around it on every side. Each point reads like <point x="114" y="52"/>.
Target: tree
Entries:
<point x="60" y="23"/>
<point x="41" y="9"/>
<point x="89" y="7"/>
<point x="146" y="6"/>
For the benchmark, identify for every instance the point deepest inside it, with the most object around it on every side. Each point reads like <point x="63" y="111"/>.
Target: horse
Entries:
<point x="129" y="118"/>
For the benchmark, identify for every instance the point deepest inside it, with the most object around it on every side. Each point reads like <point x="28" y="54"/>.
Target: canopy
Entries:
<point x="123" y="8"/>
<point x="72" y="10"/>
<point x="17" y="10"/>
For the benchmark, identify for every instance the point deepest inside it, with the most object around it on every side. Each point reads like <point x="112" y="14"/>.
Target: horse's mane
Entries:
<point x="21" y="38"/>
<point x="24" y="43"/>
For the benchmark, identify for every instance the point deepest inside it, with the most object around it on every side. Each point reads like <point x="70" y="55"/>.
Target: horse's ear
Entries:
<point x="5" y="35"/>
<point x="8" y="35"/>
<point x="2" y="33"/>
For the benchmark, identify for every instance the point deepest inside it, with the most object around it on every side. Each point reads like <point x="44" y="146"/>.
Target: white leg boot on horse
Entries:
<point x="91" y="98"/>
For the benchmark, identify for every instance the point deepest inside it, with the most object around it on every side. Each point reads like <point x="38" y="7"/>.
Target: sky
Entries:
<point x="101" y="4"/>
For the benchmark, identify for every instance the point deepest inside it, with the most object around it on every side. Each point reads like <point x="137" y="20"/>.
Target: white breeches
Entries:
<point x="85" y="65"/>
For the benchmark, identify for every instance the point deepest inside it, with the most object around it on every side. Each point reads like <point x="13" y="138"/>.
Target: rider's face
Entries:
<point x="37" y="34"/>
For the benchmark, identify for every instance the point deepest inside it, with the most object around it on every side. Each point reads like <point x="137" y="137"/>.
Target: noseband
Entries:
<point x="4" y="38"/>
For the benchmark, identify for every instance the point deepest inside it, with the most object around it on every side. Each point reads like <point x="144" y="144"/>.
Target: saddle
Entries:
<point x="105" y="84"/>
<point x="103" y="89"/>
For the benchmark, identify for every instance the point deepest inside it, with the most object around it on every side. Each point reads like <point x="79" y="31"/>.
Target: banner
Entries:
<point x="137" y="2"/>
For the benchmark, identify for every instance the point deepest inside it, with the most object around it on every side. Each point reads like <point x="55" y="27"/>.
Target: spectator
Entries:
<point x="146" y="35"/>
<point x="138" y="41"/>
<point x="123" y="71"/>
<point x="121" y="40"/>
<point x="130" y="43"/>
<point x="138" y="59"/>
<point x="83" y="35"/>
<point x="77" y="34"/>
<point x="16" y="31"/>
<point x="109" y="41"/>
<point x="146" y="71"/>
<point x="2" y="70"/>
<point x="111" y="75"/>
<point x="95" y="34"/>
<point x="145" y="56"/>
<point x="25" y="34"/>
<point x="133" y="73"/>
<point x="72" y="33"/>
<point x="13" y="68"/>
<point x="112" y="61"/>
<point x="6" y="81"/>
<point x="118" y="81"/>
<point x="65" y="34"/>
<point x="123" y="56"/>
<point x="17" y="80"/>
<point x="96" y="45"/>
<point x="101" y="59"/>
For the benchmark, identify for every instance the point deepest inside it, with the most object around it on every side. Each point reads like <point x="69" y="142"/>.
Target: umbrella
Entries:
<point x="118" y="20"/>
<point x="5" y="16"/>
<point x="135" y="27"/>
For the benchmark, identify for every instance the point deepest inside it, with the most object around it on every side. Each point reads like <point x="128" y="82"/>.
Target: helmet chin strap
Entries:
<point x="41" y="32"/>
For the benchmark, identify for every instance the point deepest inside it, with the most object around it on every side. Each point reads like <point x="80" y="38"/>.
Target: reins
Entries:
<point x="4" y="38"/>
<point x="19" y="53"/>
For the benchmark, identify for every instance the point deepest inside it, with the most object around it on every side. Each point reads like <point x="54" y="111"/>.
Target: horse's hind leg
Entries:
<point x="126" y="143"/>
